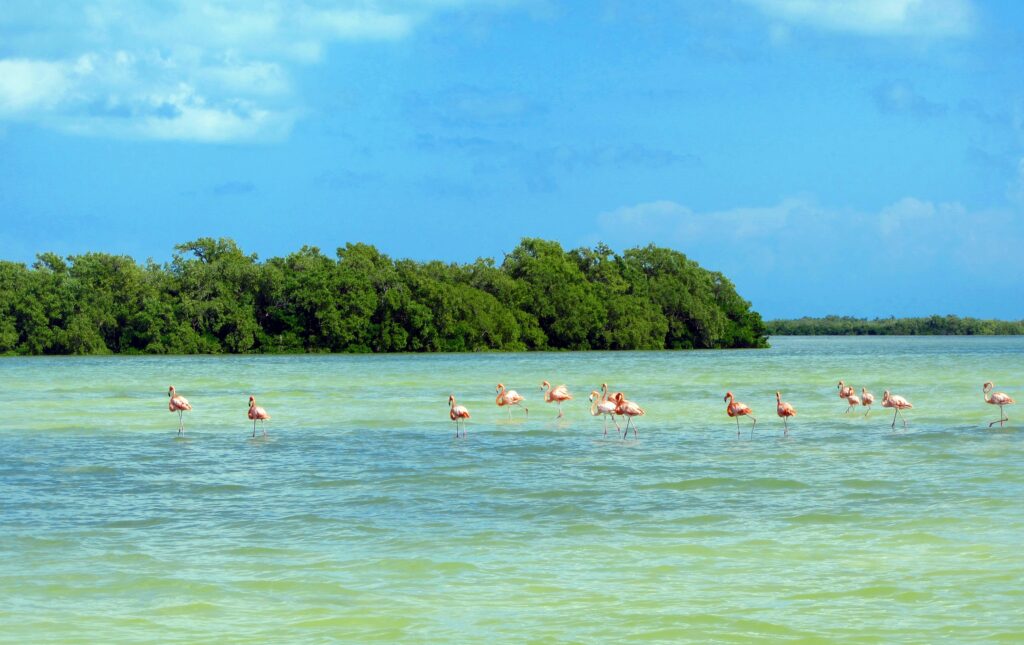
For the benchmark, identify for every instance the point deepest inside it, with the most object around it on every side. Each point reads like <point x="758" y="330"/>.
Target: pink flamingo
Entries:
<point x="629" y="410"/>
<point x="866" y="399"/>
<point x="852" y="401"/>
<point x="844" y="390"/>
<point x="997" y="398"/>
<point x="178" y="404"/>
<point x="555" y="394"/>
<point x="898" y="403"/>
<point x="602" y="406"/>
<point x="783" y="409"/>
<point x="256" y="412"/>
<point x="509" y="398"/>
<point x="737" y="410"/>
<point x="457" y="413"/>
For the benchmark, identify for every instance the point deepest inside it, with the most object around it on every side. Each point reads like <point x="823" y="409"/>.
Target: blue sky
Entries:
<point x="862" y="158"/>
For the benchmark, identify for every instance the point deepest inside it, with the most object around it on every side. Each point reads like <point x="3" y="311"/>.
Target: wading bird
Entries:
<point x="178" y="404"/>
<point x="457" y="413"/>
<point x="256" y="412"/>
<point x="784" y="410"/>
<point x="737" y="410"/>
<point x="629" y="410"/>
<point x="555" y="394"/>
<point x="997" y="398"/>
<point x="844" y="390"/>
<point x="852" y="401"/>
<point x="898" y="403"/>
<point x="602" y="406"/>
<point x="509" y="398"/>
<point x="866" y="399"/>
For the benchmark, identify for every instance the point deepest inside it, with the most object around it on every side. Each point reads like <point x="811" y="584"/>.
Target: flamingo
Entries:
<point x="784" y="410"/>
<point x="898" y="403"/>
<point x="737" y="409"/>
<point x="602" y="406"/>
<point x="852" y="401"/>
<point x="629" y="410"/>
<point x="997" y="398"/>
<point x="866" y="399"/>
<point x="178" y="404"/>
<point x="256" y="412"/>
<point x="844" y="390"/>
<point x="509" y="398"/>
<point x="555" y="394"/>
<point x="457" y="412"/>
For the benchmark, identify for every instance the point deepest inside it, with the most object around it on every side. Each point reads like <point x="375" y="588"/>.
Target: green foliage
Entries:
<point x="214" y="298"/>
<point x="931" y="326"/>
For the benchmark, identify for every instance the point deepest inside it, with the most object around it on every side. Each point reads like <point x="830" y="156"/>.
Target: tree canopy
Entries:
<point x="926" y="326"/>
<point x="214" y="298"/>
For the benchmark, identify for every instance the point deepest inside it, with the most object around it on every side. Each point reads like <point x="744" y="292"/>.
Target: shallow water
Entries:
<point x="361" y="518"/>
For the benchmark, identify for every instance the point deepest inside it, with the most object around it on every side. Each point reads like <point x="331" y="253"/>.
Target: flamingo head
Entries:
<point x="778" y="396"/>
<point x="885" y="395"/>
<point x="451" y="400"/>
<point x="170" y="391"/>
<point x="841" y="384"/>
<point x="499" y="387"/>
<point x="593" y="395"/>
<point x="252" y="400"/>
<point x="728" y="395"/>
<point x="545" y="386"/>
<point x="619" y="396"/>
<point x="987" y="386"/>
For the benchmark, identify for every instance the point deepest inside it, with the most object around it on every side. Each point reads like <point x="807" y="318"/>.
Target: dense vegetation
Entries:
<point x="930" y="326"/>
<point x="212" y="297"/>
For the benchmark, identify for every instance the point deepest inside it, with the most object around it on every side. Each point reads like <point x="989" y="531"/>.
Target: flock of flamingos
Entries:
<point x="611" y="405"/>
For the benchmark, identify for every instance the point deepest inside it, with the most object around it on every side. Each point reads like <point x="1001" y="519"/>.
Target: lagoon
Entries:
<point x="361" y="518"/>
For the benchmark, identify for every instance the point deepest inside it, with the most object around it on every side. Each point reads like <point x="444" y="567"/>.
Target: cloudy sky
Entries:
<point x="850" y="157"/>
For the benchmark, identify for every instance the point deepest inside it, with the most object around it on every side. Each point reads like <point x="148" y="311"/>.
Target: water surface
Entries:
<point x="361" y="518"/>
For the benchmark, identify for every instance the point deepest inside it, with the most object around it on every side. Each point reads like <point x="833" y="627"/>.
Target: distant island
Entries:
<point x="927" y="326"/>
<point x="214" y="298"/>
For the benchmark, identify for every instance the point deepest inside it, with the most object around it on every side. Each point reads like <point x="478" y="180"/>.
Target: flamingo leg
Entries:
<point x="902" y="417"/>
<point x="785" y="422"/>
<point x="254" y="428"/>
<point x="559" y="410"/>
<point x="1002" y="418"/>
<point x="263" y="426"/>
<point x="737" y="427"/>
<point x="605" y="424"/>
<point x="181" y="424"/>
<point x="868" y="412"/>
<point x="893" y="426"/>
<point x="752" y="426"/>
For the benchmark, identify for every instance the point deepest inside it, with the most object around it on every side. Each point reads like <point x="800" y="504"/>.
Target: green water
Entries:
<point x="361" y="518"/>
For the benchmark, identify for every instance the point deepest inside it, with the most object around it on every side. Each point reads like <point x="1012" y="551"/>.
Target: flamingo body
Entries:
<point x="555" y="394"/>
<point x="628" y="409"/>
<point x="179" y="404"/>
<point x="457" y="413"/>
<point x="997" y="398"/>
<point x="784" y="410"/>
<point x="600" y="406"/>
<point x="509" y="398"/>
<point x="735" y="409"/>
<point x="897" y="403"/>
<point x="256" y="413"/>
<point x="866" y="399"/>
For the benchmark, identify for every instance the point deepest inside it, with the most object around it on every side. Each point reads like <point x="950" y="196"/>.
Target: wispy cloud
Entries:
<point x="913" y="254"/>
<point x="899" y="97"/>
<point x="923" y="18"/>
<point x="208" y="72"/>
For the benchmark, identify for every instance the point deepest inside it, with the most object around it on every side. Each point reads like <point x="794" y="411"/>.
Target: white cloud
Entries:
<point x="928" y="18"/>
<point x="212" y="71"/>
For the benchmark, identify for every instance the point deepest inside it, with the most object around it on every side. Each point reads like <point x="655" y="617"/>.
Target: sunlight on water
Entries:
<point x="360" y="517"/>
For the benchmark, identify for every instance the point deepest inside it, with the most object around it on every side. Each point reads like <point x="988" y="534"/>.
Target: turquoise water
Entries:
<point x="361" y="518"/>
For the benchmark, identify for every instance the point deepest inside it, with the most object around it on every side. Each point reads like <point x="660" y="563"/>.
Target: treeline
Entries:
<point x="928" y="326"/>
<point x="214" y="298"/>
